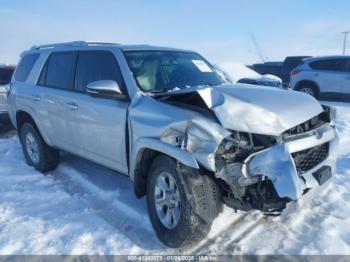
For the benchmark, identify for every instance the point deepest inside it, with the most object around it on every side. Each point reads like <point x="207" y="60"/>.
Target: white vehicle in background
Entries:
<point x="6" y="72"/>
<point x="239" y="73"/>
<point x="327" y="76"/>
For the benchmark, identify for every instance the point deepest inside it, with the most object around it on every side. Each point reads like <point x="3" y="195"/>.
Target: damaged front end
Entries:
<point x="212" y="129"/>
<point x="241" y="190"/>
<point x="265" y="172"/>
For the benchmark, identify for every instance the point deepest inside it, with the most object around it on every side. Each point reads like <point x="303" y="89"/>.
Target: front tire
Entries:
<point x="36" y="152"/>
<point x="176" y="206"/>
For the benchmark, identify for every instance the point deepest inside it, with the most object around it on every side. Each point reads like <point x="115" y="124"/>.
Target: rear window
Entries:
<point x="342" y="65"/>
<point x="59" y="70"/>
<point x="25" y="66"/>
<point x="5" y="75"/>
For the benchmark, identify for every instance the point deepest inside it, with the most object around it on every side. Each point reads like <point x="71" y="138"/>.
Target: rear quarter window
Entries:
<point x="319" y="65"/>
<point x="25" y="66"/>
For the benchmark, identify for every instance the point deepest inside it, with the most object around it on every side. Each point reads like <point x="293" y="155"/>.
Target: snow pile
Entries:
<point x="82" y="208"/>
<point x="52" y="215"/>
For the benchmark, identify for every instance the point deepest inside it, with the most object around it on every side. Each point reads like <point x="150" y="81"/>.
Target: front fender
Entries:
<point x="168" y="149"/>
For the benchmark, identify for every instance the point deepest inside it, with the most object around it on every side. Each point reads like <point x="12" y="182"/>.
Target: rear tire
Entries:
<point x="308" y="89"/>
<point x="36" y="152"/>
<point x="192" y="202"/>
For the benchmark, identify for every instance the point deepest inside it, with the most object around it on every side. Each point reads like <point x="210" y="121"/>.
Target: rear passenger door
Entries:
<point x="99" y="124"/>
<point x="331" y="75"/>
<point x="57" y="85"/>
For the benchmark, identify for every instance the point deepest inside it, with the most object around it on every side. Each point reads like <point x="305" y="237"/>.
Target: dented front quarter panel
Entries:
<point x="166" y="128"/>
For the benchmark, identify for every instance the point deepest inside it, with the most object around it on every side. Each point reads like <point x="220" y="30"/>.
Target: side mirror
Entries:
<point x="105" y="89"/>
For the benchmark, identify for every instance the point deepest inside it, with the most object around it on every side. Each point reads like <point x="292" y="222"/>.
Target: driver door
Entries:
<point x="99" y="124"/>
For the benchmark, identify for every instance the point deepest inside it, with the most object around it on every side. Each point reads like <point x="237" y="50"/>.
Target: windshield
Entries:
<point x="163" y="71"/>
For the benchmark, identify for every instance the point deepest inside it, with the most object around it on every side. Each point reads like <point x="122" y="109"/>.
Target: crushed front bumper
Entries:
<point x="278" y="163"/>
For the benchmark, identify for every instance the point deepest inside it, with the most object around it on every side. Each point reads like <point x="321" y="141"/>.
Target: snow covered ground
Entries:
<point x="83" y="208"/>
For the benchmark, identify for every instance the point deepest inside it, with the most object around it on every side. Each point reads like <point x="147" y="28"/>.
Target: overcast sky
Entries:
<point x="220" y="30"/>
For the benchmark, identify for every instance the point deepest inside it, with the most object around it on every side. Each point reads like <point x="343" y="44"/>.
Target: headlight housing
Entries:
<point x="331" y="111"/>
<point x="236" y="148"/>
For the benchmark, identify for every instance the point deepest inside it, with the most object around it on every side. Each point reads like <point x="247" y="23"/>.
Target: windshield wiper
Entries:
<point x="167" y="91"/>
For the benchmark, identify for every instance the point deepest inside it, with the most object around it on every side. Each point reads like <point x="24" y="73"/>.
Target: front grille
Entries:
<point x="309" y="158"/>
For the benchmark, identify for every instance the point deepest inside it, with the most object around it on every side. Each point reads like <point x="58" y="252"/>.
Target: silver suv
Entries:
<point x="327" y="76"/>
<point x="188" y="140"/>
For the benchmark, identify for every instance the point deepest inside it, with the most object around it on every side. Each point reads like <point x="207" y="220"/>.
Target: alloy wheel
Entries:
<point x="32" y="148"/>
<point x="167" y="200"/>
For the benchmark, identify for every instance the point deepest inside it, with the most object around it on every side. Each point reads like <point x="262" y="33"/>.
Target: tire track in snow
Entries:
<point x="232" y="233"/>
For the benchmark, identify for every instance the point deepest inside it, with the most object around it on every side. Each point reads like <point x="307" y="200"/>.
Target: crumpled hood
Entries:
<point x="257" y="109"/>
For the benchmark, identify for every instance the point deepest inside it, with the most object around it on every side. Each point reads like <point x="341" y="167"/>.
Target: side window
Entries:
<point x="59" y="70"/>
<point x="96" y="65"/>
<point x="25" y="66"/>
<point x="339" y="65"/>
<point x="320" y="65"/>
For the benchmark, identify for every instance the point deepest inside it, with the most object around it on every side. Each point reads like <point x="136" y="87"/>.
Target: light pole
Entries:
<point x="344" y="43"/>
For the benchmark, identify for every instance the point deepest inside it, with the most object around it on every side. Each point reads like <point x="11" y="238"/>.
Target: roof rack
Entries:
<point x="100" y="43"/>
<point x="74" y="43"/>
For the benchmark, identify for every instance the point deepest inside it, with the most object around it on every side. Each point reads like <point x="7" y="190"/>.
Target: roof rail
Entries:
<point x="100" y="43"/>
<point x="74" y="43"/>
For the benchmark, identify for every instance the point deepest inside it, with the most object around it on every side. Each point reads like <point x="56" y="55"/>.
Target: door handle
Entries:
<point x="72" y="106"/>
<point x="36" y="98"/>
<point x="347" y="78"/>
<point x="50" y="101"/>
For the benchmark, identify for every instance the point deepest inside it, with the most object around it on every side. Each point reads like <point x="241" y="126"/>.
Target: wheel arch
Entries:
<point x="307" y="82"/>
<point x="22" y="117"/>
<point x="145" y="156"/>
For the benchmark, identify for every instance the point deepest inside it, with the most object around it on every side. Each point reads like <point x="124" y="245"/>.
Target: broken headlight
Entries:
<point x="331" y="111"/>
<point x="231" y="154"/>
<point x="240" y="145"/>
